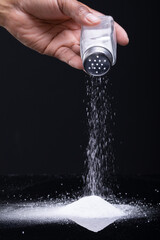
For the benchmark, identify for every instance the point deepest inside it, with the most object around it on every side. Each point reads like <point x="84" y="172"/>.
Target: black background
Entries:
<point x="42" y="113"/>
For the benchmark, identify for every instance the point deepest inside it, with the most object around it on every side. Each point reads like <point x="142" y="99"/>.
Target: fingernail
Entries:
<point x="92" y="18"/>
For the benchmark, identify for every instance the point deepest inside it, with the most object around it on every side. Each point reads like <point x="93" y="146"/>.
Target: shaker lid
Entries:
<point x="97" y="62"/>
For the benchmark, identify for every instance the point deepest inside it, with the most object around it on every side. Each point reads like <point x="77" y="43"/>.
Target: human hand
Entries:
<point x="52" y="27"/>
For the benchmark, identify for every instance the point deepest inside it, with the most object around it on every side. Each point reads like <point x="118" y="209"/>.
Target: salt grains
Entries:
<point x="91" y="207"/>
<point x="100" y="158"/>
<point x="91" y="212"/>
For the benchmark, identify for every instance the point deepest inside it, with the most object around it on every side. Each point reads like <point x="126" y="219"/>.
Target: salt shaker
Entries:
<point x="98" y="46"/>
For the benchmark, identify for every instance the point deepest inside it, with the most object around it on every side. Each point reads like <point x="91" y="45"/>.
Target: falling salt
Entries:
<point x="100" y="158"/>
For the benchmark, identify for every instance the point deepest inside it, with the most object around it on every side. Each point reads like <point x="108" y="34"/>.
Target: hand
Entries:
<point x="52" y="27"/>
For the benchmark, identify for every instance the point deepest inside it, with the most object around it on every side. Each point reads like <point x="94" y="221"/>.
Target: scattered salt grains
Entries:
<point x="91" y="212"/>
<point x="156" y="190"/>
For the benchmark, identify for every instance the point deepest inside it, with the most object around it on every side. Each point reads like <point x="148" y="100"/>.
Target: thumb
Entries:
<point x="79" y="12"/>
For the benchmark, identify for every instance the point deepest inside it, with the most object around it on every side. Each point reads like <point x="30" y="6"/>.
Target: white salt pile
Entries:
<point x="92" y="212"/>
<point x="91" y="207"/>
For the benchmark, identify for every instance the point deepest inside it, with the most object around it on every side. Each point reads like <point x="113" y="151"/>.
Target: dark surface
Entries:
<point x="142" y="189"/>
<point x="43" y="128"/>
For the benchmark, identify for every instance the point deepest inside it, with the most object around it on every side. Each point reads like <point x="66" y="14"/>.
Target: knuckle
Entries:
<point x="62" y="5"/>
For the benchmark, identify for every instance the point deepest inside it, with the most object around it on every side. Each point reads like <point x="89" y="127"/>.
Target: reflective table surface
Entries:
<point x="26" y="203"/>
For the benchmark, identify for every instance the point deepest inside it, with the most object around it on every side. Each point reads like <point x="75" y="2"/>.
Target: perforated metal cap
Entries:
<point x="97" y="61"/>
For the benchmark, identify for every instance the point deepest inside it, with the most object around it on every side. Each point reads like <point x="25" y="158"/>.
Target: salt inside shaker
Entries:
<point x="98" y="46"/>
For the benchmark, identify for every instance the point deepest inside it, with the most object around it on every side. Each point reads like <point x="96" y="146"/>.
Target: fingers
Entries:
<point x="78" y="12"/>
<point x="122" y="37"/>
<point x="84" y="15"/>
<point x="76" y="48"/>
<point x="76" y="62"/>
<point x="68" y="56"/>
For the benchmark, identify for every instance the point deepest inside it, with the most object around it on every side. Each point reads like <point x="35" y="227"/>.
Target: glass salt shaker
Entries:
<point x="98" y="46"/>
